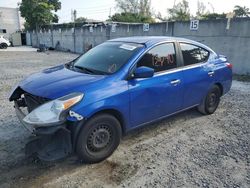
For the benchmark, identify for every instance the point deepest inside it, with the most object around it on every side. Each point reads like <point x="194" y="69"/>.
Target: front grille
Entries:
<point x="33" y="101"/>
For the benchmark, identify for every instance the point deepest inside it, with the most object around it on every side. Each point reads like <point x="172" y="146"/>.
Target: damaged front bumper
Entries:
<point x="50" y="147"/>
<point x="48" y="143"/>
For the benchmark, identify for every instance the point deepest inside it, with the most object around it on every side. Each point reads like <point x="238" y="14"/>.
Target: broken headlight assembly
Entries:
<point x="53" y="112"/>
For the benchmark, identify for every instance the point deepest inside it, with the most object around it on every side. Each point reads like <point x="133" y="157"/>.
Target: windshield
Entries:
<point x="106" y="58"/>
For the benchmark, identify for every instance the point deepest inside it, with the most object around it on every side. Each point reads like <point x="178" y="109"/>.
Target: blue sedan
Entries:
<point x="86" y="105"/>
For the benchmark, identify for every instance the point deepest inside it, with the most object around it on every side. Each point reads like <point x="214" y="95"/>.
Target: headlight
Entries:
<point x="52" y="111"/>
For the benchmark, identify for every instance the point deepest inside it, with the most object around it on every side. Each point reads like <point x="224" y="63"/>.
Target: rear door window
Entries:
<point x="160" y="58"/>
<point x="193" y="54"/>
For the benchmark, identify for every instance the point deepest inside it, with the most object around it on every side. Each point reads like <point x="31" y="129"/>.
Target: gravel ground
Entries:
<point x="187" y="150"/>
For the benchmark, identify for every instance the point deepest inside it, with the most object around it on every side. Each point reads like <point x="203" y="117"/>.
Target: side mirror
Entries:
<point x="143" y="72"/>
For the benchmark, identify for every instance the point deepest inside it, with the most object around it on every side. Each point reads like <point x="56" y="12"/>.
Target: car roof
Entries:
<point x="152" y="40"/>
<point x="148" y="39"/>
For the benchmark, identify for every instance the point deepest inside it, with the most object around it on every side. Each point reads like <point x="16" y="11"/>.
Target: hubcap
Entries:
<point x="212" y="100"/>
<point x="99" y="138"/>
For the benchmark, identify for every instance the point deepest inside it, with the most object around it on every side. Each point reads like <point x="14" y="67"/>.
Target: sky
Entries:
<point x="100" y="9"/>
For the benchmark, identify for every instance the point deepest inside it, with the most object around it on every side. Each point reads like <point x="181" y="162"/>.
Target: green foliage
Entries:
<point x="179" y="12"/>
<point x="131" y="17"/>
<point x="80" y="20"/>
<point x="201" y="9"/>
<point x="212" y="16"/>
<point x="39" y="12"/>
<point x="138" y="11"/>
<point x="160" y="17"/>
<point x="135" y="6"/>
<point x="241" y="11"/>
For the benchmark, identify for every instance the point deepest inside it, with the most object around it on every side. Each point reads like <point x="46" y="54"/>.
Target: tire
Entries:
<point x="4" y="46"/>
<point x="211" y="101"/>
<point x="98" y="138"/>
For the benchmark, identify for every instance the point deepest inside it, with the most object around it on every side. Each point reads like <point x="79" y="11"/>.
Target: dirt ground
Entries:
<point x="187" y="150"/>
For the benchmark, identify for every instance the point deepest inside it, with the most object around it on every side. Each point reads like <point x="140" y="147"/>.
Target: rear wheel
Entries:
<point x="211" y="101"/>
<point x="98" y="138"/>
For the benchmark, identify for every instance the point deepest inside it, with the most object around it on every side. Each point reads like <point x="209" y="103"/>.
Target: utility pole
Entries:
<point x="74" y="15"/>
<point x="74" y="34"/>
<point x="110" y="12"/>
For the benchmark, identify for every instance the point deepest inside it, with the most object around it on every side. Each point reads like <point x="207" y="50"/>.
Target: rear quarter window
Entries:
<point x="193" y="54"/>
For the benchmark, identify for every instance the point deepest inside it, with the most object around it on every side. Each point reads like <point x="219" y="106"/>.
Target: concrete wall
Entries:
<point x="233" y="42"/>
<point x="28" y="39"/>
<point x="16" y="39"/>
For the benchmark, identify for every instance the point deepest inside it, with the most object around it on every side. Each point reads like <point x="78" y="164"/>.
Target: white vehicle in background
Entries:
<point x="4" y="43"/>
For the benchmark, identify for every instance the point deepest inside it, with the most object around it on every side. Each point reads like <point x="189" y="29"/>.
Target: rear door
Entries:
<point x="198" y="73"/>
<point x="160" y="95"/>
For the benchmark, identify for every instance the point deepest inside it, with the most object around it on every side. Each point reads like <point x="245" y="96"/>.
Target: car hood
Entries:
<point x="57" y="81"/>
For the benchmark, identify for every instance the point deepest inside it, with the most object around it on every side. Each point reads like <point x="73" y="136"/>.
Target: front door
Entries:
<point x="161" y="95"/>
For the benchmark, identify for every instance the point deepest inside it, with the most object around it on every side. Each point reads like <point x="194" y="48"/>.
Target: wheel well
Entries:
<point x="117" y="115"/>
<point x="221" y="88"/>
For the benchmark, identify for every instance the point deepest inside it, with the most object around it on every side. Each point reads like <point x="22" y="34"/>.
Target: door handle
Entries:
<point x="175" y="82"/>
<point x="210" y="73"/>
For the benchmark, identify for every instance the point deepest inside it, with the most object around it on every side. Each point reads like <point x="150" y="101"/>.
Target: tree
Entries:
<point x="133" y="11"/>
<point x="130" y="6"/>
<point x="39" y="12"/>
<point x="80" y="20"/>
<point x="213" y="16"/>
<point x="201" y="9"/>
<point x="179" y="12"/>
<point x="160" y="17"/>
<point x="145" y="8"/>
<point x="131" y="17"/>
<point x="241" y="11"/>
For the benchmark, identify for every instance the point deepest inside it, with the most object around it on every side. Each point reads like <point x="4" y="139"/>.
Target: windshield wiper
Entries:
<point x="84" y="69"/>
<point x="69" y="65"/>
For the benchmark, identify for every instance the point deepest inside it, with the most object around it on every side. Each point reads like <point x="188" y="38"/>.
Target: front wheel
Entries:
<point x="211" y="101"/>
<point x="4" y="46"/>
<point x="98" y="138"/>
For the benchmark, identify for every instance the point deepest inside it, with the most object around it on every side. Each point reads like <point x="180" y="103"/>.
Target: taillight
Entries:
<point x="229" y="65"/>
